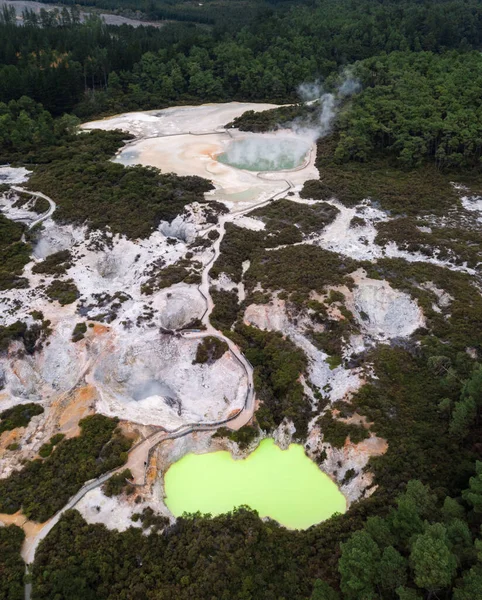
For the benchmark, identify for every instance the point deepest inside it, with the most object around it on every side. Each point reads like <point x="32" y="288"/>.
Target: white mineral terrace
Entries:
<point x="188" y="140"/>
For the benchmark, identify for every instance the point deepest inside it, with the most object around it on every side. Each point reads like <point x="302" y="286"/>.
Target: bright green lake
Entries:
<point x="282" y="484"/>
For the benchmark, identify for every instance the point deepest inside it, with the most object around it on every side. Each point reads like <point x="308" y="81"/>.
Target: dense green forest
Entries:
<point x="95" y="68"/>
<point x="12" y="567"/>
<point x="422" y="543"/>
<point x="414" y="127"/>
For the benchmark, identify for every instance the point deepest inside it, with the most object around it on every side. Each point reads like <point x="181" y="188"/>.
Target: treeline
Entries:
<point x="271" y="58"/>
<point x="95" y="68"/>
<point x="26" y="125"/>
<point x="63" y="65"/>
<point x="416" y="106"/>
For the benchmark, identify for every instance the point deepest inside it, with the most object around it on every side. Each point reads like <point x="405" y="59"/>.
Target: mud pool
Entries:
<point x="284" y="485"/>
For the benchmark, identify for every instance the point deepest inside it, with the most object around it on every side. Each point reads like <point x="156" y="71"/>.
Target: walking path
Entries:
<point x="140" y="454"/>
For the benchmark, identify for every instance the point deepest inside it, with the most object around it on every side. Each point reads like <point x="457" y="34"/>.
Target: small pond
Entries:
<point x="265" y="153"/>
<point x="282" y="484"/>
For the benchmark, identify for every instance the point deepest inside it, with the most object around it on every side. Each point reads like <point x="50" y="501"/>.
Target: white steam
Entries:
<point x="309" y="92"/>
<point x="329" y="103"/>
<point x="266" y="153"/>
<point x="283" y="151"/>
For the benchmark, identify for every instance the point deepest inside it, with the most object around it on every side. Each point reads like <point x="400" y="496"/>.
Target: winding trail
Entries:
<point x="45" y="215"/>
<point x="140" y="454"/>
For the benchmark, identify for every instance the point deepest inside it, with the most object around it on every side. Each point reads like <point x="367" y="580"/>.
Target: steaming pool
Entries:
<point x="265" y="153"/>
<point x="282" y="484"/>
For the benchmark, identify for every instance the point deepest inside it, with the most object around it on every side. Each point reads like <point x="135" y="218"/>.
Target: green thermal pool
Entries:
<point x="284" y="485"/>
<point x="265" y="153"/>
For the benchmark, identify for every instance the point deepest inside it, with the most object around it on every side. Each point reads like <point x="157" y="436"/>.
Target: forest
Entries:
<point x="94" y="68"/>
<point x="414" y="127"/>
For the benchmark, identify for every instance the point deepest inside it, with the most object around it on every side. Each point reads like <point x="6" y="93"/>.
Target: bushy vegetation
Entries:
<point x="79" y="331"/>
<point x="210" y="350"/>
<point x="65" y="292"/>
<point x="14" y="254"/>
<point x="150" y="520"/>
<point x="225" y="309"/>
<point x="413" y="128"/>
<point x="278" y="364"/>
<point x="118" y="484"/>
<point x="242" y="436"/>
<point x="8" y="333"/>
<point x="456" y="326"/>
<point x="19" y="416"/>
<point x="298" y="269"/>
<point x="128" y="200"/>
<point x="12" y="567"/>
<point x="414" y="191"/>
<point x="42" y="487"/>
<point x="336" y="432"/>
<point x="32" y="337"/>
<point x="272" y="119"/>
<point x="162" y="277"/>
<point x="285" y="213"/>
<point x="460" y="246"/>
<point x="55" y="264"/>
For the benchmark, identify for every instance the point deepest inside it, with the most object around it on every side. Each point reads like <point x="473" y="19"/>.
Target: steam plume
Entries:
<point x="329" y="102"/>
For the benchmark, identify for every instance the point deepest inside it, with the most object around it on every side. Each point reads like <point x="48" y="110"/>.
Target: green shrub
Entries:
<point x="54" y="264"/>
<point x="336" y="432"/>
<point x="18" y="416"/>
<point x="65" y="292"/>
<point x="79" y="330"/>
<point x="117" y="484"/>
<point x="242" y="436"/>
<point x="225" y="309"/>
<point x="210" y="350"/>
